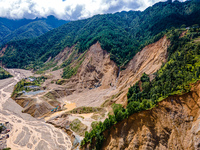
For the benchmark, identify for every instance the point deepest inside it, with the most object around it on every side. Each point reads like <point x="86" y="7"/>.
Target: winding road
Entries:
<point x="26" y="131"/>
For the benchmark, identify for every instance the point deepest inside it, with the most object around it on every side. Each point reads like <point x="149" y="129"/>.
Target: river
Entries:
<point x="26" y="131"/>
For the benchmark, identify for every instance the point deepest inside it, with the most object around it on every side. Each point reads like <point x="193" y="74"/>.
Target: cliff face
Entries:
<point x="149" y="60"/>
<point x="97" y="70"/>
<point x="173" y="124"/>
<point x="94" y="80"/>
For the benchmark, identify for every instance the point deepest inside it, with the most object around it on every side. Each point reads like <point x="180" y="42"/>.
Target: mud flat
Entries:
<point x="27" y="132"/>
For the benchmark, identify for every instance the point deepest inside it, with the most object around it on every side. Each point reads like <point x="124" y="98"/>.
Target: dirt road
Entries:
<point x="27" y="132"/>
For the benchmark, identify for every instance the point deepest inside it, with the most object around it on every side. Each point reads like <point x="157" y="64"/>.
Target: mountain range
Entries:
<point x="11" y="30"/>
<point x="128" y="80"/>
<point x="121" y="34"/>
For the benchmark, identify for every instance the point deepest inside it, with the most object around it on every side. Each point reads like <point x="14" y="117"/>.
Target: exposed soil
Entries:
<point x="173" y="124"/>
<point x="183" y="34"/>
<point x="98" y="81"/>
<point x="27" y="132"/>
<point x="149" y="60"/>
<point x="98" y="78"/>
<point x="64" y="55"/>
<point x="197" y="40"/>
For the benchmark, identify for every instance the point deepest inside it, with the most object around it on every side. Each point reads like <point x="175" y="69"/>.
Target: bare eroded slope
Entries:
<point x="98" y="78"/>
<point x="173" y="124"/>
<point x="149" y="60"/>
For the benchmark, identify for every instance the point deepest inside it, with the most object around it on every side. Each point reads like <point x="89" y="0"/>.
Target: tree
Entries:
<point x="106" y="123"/>
<point x="119" y="116"/>
<point x="169" y="1"/>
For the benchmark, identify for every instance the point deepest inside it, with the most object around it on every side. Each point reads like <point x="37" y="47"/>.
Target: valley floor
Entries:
<point x="27" y="132"/>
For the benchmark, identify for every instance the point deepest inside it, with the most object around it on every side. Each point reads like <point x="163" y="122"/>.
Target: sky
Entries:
<point x="68" y="9"/>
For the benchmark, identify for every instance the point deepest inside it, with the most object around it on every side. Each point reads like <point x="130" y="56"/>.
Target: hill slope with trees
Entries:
<point x="121" y="34"/>
<point x="11" y="30"/>
<point x="4" y="74"/>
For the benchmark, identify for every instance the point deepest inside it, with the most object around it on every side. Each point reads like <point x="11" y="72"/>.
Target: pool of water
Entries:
<point x="34" y="93"/>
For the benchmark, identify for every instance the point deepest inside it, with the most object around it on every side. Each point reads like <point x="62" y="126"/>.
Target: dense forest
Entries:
<point x="4" y="74"/>
<point x="121" y="34"/>
<point x="174" y="77"/>
<point x="11" y="30"/>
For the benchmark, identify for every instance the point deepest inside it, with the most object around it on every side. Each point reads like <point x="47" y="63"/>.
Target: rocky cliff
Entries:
<point x="173" y="124"/>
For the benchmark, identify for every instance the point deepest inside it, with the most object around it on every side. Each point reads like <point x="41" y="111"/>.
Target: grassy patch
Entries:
<point x="109" y="101"/>
<point x="7" y="149"/>
<point x="70" y="71"/>
<point x="96" y="117"/>
<point x="49" y="95"/>
<point x="94" y="124"/>
<point x="46" y="67"/>
<point x="4" y="74"/>
<point x="85" y="110"/>
<point x="60" y="81"/>
<point x="71" y="68"/>
<point x="69" y="60"/>
<point x="78" y="127"/>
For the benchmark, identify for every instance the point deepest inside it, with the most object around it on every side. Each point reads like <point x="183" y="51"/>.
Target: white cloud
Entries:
<point x="68" y="9"/>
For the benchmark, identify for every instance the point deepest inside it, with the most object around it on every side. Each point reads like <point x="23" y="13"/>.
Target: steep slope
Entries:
<point x="121" y="34"/>
<point x="95" y="77"/>
<point x="26" y="28"/>
<point x="96" y="69"/>
<point x="98" y="78"/>
<point x="173" y="124"/>
<point x="149" y="60"/>
<point x="175" y="77"/>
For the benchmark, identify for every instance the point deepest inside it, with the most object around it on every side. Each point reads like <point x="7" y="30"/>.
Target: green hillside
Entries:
<point x="31" y="30"/>
<point x="122" y="34"/>
<point x="26" y="28"/>
<point x="4" y="74"/>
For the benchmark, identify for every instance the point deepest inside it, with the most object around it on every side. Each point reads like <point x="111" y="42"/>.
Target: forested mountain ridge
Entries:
<point x="26" y="28"/>
<point x="121" y="34"/>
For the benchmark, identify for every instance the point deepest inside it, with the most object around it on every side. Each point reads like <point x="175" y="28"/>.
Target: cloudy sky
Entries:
<point x="68" y="9"/>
